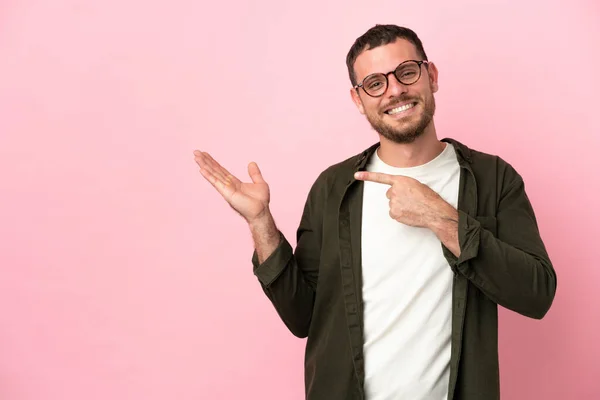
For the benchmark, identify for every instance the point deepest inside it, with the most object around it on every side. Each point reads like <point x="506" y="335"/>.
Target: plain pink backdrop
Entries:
<point x="123" y="275"/>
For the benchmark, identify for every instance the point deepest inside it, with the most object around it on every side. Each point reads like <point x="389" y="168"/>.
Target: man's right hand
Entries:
<point x="250" y="200"/>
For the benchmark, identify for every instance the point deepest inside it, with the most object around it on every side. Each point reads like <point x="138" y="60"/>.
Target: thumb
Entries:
<point x="254" y="173"/>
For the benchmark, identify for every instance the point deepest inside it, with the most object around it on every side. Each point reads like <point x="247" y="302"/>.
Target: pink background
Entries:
<point x="123" y="275"/>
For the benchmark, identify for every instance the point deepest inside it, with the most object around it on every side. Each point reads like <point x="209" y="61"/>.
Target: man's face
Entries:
<point x="397" y="125"/>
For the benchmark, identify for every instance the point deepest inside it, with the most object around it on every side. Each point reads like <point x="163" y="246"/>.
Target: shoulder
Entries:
<point x="345" y="169"/>
<point x="486" y="166"/>
<point x="340" y="174"/>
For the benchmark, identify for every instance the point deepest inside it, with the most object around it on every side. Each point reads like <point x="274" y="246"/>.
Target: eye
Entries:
<point x="375" y="82"/>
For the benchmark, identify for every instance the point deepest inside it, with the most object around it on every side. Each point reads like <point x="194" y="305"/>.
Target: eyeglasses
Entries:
<point x="407" y="73"/>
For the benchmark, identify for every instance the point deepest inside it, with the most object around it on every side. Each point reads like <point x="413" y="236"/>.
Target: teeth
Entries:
<point x="400" y="109"/>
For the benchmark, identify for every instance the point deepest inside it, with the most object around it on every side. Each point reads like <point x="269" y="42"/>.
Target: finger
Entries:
<point x="215" y="168"/>
<point x="202" y="160"/>
<point x="208" y="172"/>
<point x="375" y="177"/>
<point x="199" y="158"/>
<point x="208" y="167"/>
<point x="219" y="169"/>
<point x="255" y="173"/>
<point x="388" y="193"/>
<point x="224" y="188"/>
<point x="205" y="161"/>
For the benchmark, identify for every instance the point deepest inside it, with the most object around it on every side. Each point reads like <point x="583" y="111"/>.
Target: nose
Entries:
<point x="395" y="88"/>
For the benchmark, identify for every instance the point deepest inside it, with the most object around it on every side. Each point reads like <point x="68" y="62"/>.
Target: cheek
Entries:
<point x="432" y="88"/>
<point x="424" y="96"/>
<point x="372" y="107"/>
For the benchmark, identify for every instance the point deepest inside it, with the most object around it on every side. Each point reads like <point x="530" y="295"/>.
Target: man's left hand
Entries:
<point x="411" y="202"/>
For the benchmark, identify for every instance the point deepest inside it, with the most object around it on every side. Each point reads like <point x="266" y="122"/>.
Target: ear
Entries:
<point x="433" y="77"/>
<point x="357" y="100"/>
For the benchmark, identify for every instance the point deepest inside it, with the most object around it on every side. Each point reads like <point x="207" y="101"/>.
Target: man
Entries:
<point x="403" y="251"/>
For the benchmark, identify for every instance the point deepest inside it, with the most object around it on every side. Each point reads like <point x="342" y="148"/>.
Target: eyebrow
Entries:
<point x="393" y="69"/>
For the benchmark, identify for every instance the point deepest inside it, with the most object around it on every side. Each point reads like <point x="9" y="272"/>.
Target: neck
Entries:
<point x="405" y="155"/>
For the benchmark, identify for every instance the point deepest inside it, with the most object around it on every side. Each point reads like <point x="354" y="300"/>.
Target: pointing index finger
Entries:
<point x="374" y="177"/>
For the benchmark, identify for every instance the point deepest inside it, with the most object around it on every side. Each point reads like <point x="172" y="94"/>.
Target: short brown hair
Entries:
<point x="380" y="35"/>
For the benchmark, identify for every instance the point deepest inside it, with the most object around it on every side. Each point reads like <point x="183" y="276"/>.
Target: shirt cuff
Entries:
<point x="469" y="230"/>
<point x="275" y="264"/>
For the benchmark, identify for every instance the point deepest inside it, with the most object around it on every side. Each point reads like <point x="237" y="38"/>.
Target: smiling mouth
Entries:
<point x="400" y="109"/>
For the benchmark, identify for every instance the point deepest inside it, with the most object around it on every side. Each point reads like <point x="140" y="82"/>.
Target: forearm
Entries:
<point x="444" y="223"/>
<point x="265" y="235"/>
<point x="290" y="288"/>
<point x="287" y="277"/>
<point x="518" y="277"/>
<point x="522" y="281"/>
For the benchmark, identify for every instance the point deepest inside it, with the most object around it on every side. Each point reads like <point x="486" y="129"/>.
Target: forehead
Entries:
<point x="384" y="58"/>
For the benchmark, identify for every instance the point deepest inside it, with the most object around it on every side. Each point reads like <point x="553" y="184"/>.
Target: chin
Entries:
<point x="406" y="138"/>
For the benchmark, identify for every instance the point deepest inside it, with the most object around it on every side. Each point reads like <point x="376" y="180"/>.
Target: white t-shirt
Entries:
<point x="407" y="290"/>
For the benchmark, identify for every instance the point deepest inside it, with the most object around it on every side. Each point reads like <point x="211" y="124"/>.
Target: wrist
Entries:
<point x="263" y="222"/>
<point x="443" y="218"/>
<point x="265" y="235"/>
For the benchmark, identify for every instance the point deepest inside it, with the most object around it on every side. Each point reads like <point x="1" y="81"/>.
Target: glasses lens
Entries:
<point x="375" y="84"/>
<point x="408" y="73"/>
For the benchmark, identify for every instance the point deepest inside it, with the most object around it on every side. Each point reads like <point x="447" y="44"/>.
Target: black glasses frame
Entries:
<point x="387" y="83"/>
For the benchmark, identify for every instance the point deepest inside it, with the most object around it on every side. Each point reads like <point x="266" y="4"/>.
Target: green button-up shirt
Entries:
<point x="317" y="289"/>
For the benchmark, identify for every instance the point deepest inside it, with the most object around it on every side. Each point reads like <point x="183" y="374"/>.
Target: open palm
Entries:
<point x="250" y="200"/>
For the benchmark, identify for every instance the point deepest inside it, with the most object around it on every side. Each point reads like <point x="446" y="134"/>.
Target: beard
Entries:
<point x="407" y="129"/>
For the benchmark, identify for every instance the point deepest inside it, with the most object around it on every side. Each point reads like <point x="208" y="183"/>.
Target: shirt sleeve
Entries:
<point x="289" y="276"/>
<point x="505" y="257"/>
